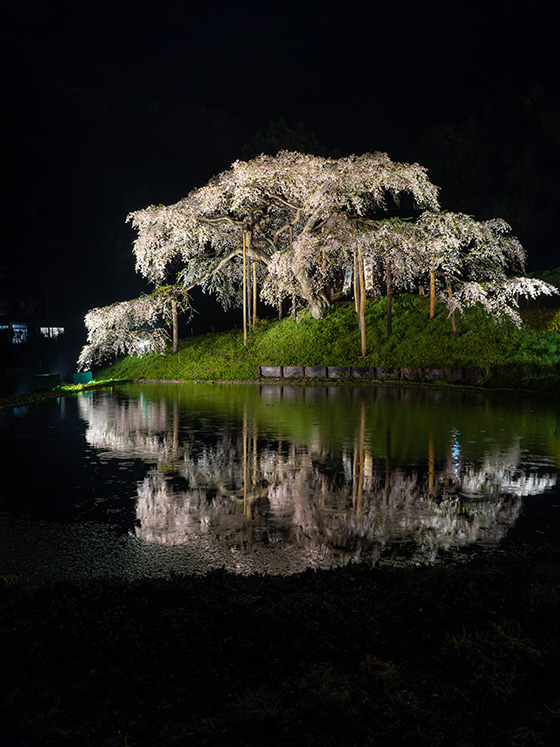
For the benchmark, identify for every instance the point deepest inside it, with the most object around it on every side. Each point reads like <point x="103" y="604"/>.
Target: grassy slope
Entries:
<point x="525" y="358"/>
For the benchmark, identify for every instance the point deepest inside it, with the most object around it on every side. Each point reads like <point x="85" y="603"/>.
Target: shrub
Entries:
<point x="554" y="323"/>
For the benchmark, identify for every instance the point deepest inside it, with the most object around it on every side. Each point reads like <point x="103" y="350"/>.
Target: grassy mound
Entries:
<point x="525" y="358"/>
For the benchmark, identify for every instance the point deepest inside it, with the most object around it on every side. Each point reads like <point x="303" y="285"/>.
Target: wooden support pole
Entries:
<point x="254" y="295"/>
<point x="389" y="301"/>
<point x="356" y="284"/>
<point x="432" y="293"/>
<point x="175" y="324"/>
<point x="244" y="289"/>
<point x="450" y="296"/>
<point x="362" y="287"/>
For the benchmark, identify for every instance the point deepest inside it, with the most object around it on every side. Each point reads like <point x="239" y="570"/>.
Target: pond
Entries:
<point x="147" y="480"/>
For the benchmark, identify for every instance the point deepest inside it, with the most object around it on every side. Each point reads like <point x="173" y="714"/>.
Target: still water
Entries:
<point x="152" y="479"/>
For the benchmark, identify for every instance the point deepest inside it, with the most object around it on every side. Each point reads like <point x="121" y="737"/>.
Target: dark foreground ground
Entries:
<point x="463" y="653"/>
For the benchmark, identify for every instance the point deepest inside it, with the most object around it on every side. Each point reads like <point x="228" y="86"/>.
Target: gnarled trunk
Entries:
<point x="317" y="302"/>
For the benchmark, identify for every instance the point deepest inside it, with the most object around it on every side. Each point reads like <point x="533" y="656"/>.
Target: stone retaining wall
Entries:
<point x="379" y="373"/>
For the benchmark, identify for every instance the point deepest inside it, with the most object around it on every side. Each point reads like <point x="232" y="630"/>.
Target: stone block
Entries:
<point x="360" y="372"/>
<point x="386" y="374"/>
<point x="337" y="372"/>
<point x="434" y="374"/>
<point x="410" y="373"/>
<point x="271" y="371"/>
<point x="316" y="372"/>
<point x="293" y="372"/>
<point x="454" y="375"/>
<point x="474" y="375"/>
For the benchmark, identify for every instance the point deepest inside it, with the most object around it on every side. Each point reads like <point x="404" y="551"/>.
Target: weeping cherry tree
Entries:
<point x="285" y="206"/>
<point x="302" y="221"/>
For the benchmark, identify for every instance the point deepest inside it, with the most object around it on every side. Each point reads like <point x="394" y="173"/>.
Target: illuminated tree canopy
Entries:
<point x="304" y="221"/>
<point x="288" y="206"/>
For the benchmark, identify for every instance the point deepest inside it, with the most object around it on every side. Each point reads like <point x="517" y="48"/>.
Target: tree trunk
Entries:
<point x="317" y="304"/>
<point x="389" y="301"/>
<point x="175" y="318"/>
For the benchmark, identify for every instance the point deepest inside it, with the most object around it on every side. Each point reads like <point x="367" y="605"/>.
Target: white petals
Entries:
<point x="306" y="216"/>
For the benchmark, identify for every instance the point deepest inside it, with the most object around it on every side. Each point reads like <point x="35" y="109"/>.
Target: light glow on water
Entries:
<point x="271" y="479"/>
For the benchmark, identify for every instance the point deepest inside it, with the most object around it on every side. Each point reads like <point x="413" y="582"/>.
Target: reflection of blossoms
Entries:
<point x="298" y="506"/>
<point x="500" y="474"/>
<point x="236" y="490"/>
<point x="128" y="428"/>
<point x="169" y="517"/>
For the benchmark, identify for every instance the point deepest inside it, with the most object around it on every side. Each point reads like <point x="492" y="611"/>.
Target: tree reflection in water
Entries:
<point x="336" y="474"/>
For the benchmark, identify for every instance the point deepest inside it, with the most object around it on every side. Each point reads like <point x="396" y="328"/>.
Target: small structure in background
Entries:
<point x="51" y="332"/>
<point x="84" y="377"/>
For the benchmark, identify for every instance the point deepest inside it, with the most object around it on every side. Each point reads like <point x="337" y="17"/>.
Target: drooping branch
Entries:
<point x="499" y="298"/>
<point x="133" y="327"/>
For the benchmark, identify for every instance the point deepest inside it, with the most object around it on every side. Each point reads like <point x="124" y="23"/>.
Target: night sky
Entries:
<point x="112" y="106"/>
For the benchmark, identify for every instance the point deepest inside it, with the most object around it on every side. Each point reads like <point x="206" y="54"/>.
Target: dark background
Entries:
<point x="112" y="106"/>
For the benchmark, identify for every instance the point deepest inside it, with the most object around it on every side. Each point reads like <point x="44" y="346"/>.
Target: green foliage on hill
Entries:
<point x="528" y="357"/>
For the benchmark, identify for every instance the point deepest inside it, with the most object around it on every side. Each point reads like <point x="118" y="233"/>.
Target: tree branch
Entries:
<point x="252" y="252"/>
<point x="287" y="226"/>
<point x="222" y="219"/>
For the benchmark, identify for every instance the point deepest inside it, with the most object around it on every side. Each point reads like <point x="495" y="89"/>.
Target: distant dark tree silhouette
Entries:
<point x="505" y="161"/>
<point x="279" y="135"/>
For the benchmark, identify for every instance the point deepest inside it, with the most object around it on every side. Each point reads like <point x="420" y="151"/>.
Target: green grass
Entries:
<point x="527" y="358"/>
